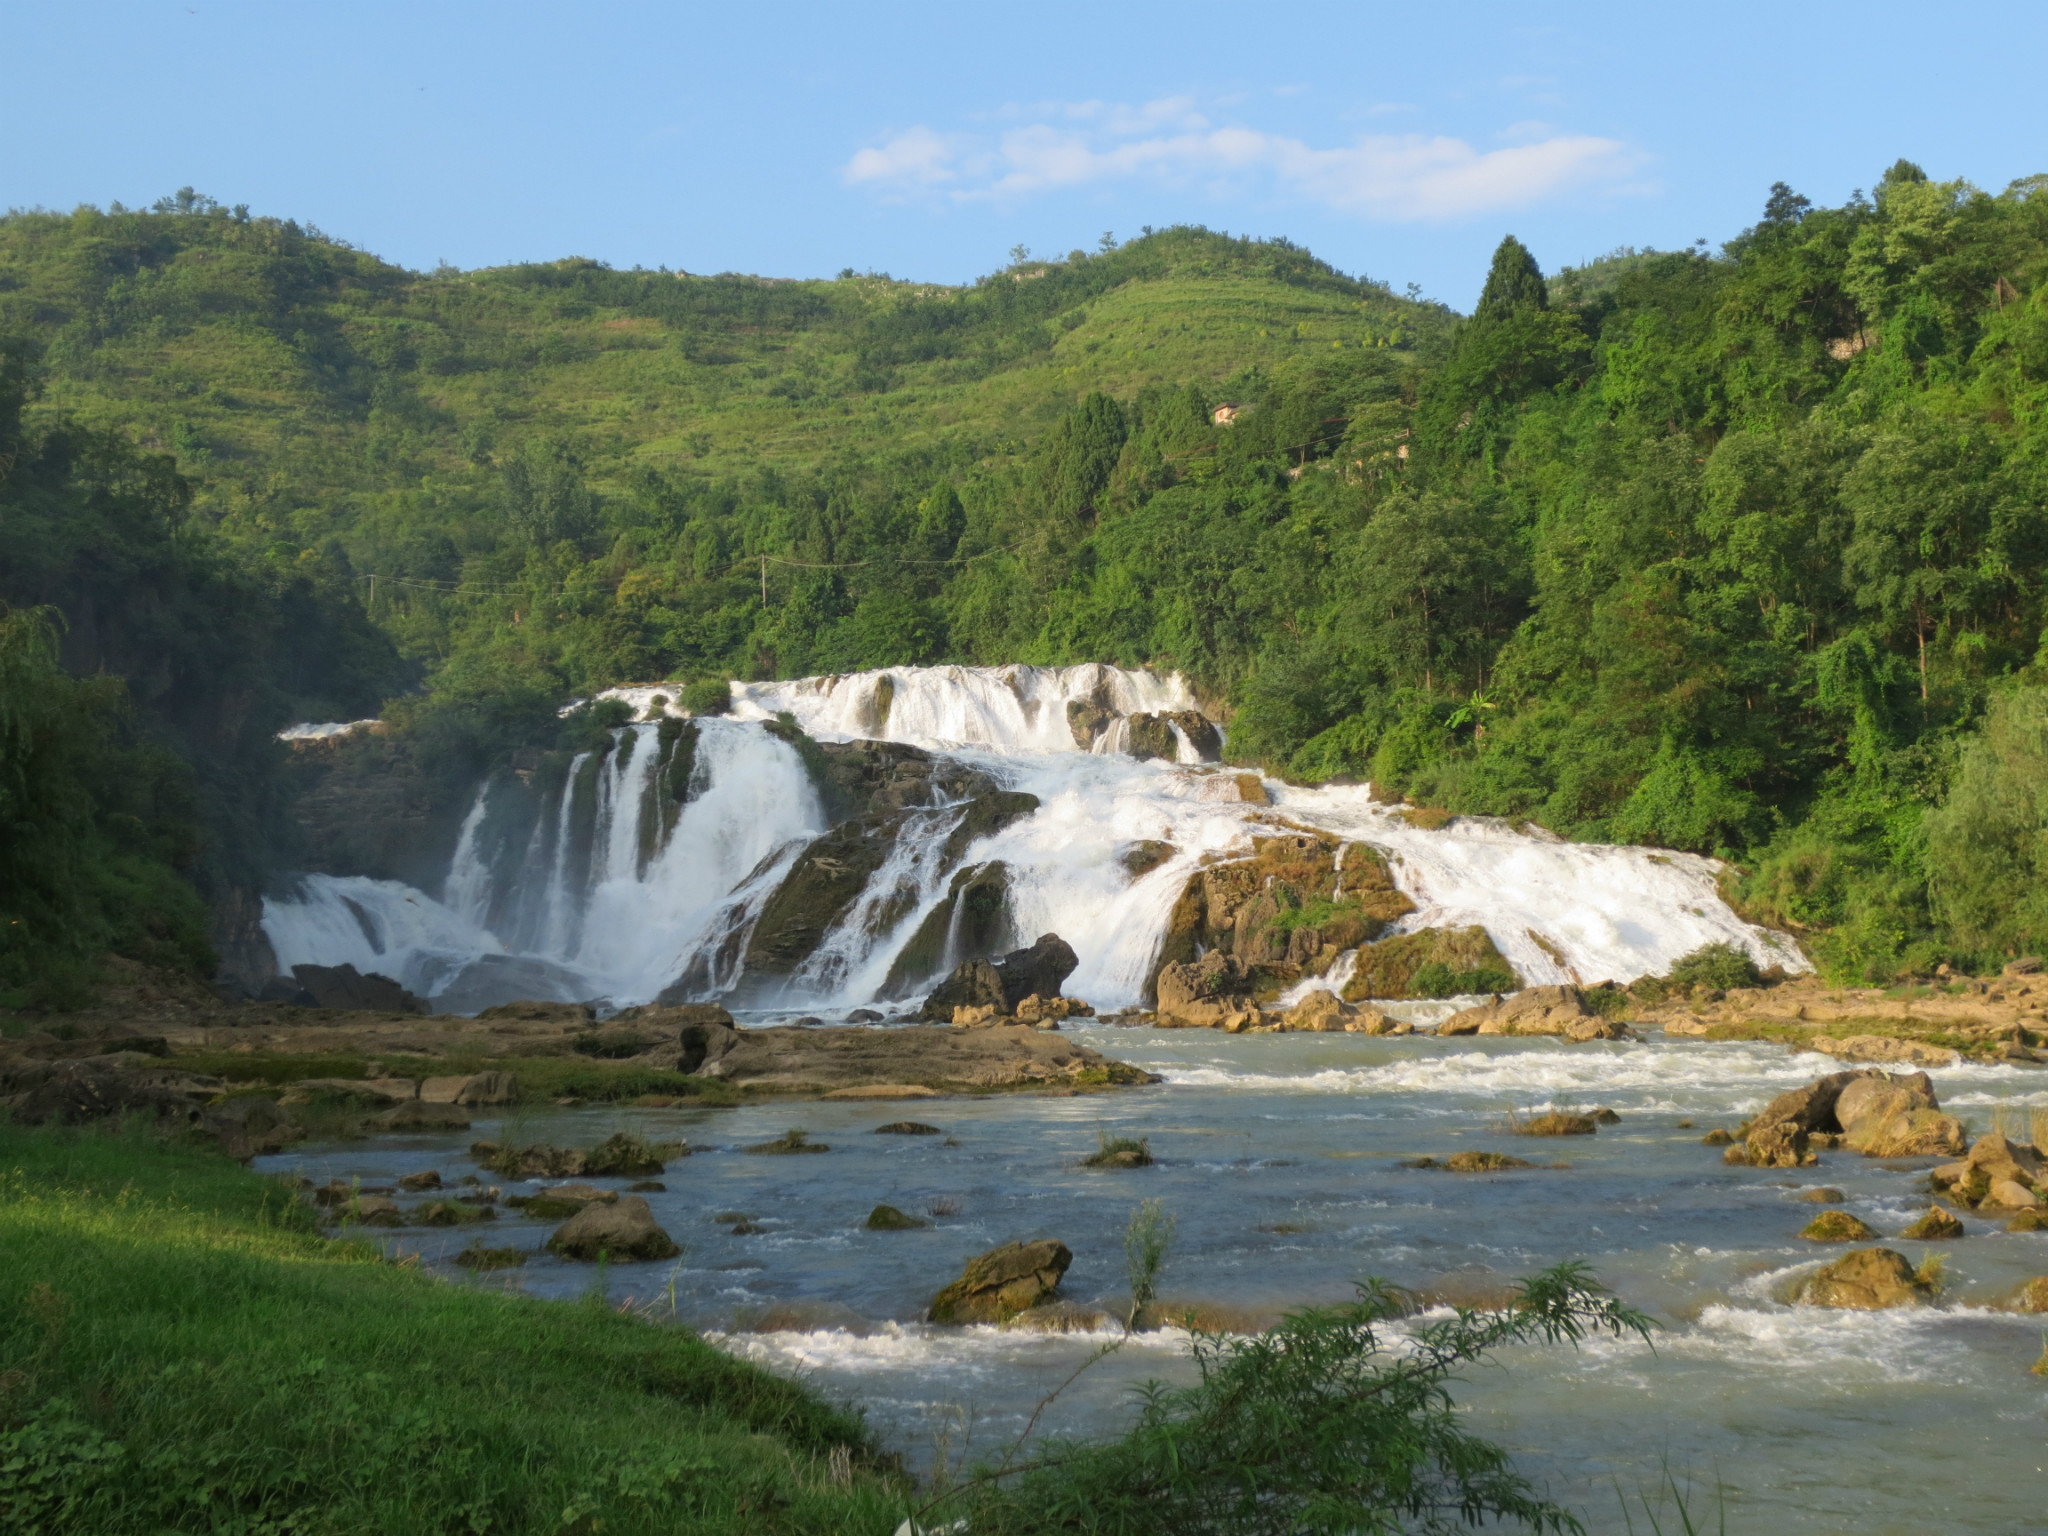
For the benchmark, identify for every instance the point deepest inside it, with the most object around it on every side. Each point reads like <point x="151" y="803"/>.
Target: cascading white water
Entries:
<point x="600" y="901"/>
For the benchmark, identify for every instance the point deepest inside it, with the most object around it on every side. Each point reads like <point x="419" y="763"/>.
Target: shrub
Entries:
<point x="711" y="696"/>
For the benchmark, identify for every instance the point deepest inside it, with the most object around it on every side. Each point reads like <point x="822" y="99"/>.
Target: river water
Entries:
<point x="1279" y="1157"/>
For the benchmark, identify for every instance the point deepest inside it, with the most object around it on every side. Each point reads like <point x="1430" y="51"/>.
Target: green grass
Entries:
<point x="179" y="1350"/>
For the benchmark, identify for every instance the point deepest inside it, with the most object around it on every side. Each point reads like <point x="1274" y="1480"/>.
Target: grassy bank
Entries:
<point x="179" y="1350"/>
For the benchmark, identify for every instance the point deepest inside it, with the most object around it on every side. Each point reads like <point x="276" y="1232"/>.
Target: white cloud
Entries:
<point x="1399" y="177"/>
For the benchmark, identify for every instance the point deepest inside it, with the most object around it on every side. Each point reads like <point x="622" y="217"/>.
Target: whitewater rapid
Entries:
<point x="600" y="896"/>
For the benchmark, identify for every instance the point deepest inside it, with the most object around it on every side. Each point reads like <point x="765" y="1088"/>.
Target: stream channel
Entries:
<point x="1279" y="1156"/>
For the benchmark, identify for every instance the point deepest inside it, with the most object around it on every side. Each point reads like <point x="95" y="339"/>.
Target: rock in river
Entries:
<point x="999" y="1284"/>
<point x="1867" y="1280"/>
<point x="623" y="1231"/>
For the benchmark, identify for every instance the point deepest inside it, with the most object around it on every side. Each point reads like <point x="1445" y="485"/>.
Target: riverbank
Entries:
<point x="179" y="1347"/>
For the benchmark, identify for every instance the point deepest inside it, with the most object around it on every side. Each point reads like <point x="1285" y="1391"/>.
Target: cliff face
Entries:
<point x="363" y="805"/>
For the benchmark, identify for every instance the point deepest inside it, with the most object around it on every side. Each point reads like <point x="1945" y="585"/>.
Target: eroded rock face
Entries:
<point x="1151" y="736"/>
<point x="1251" y="909"/>
<point x="833" y="872"/>
<point x="1003" y="1282"/>
<point x="1867" y="1280"/>
<point x="623" y="1231"/>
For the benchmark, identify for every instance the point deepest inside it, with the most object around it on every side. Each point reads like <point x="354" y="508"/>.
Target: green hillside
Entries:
<point x="1738" y="551"/>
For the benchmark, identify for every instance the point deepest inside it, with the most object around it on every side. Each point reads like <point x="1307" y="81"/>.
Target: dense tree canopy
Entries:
<point x="1729" y="551"/>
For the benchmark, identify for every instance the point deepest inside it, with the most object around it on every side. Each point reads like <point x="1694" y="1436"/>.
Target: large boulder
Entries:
<point x="1867" y="1280"/>
<point x="1150" y="735"/>
<point x="1998" y="1175"/>
<point x="999" y="1284"/>
<point x="1038" y="971"/>
<point x="1893" y="1115"/>
<point x="1897" y="1117"/>
<point x="1558" y="1010"/>
<point x="73" y="1092"/>
<point x="343" y="986"/>
<point x="622" y="1232"/>
<point x="1206" y="994"/>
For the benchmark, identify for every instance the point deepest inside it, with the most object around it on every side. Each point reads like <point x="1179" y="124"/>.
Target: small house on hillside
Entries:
<point x="1225" y="414"/>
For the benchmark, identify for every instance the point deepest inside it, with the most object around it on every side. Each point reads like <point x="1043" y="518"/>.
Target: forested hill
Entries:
<point x="1734" y="550"/>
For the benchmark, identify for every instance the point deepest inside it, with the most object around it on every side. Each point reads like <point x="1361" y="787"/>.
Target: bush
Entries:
<point x="1435" y="979"/>
<point x="709" y="697"/>
<point x="1986" y="851"/>
<point x="1320" y="1424"/>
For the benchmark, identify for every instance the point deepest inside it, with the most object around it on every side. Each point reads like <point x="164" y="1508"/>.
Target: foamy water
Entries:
<point x="1281" y="1159"/>
<point x="601" y="890"/>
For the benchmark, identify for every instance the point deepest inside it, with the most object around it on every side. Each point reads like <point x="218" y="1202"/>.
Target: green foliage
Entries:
<point x="1435" y="979"/>
<point x="1711" y="965"/>
<point x="708" y="697"/>
<point x="95" y="825"/>
<point x="1148" y="1239"/>
<point x="1987" y="847"/>
<point x="180" y="1352"/>
<point x="1320" y="1424"/>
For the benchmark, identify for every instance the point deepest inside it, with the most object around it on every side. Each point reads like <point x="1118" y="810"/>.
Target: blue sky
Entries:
<point x="927" y="140"/>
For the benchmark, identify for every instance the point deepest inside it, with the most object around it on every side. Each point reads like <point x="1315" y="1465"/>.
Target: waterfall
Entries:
<point x="615" y="881"/>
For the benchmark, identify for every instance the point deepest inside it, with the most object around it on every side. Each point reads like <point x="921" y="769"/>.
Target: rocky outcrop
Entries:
<point x="1323" y="1012"/>
<point x="1395" y="967"/>
<point x="622" y="1231"/>
<point x="1257" y="909"/>
<point x="1558" y="1011"/>
<point x="1211" y="993"/>
<point x="1003" y="1282"/>
<point x="812" y="1061"/>
<point x="1889" y="1116"/>
<point x="1867" y="1280"/>
<point x="1037" y="970"/>
<point x="971" y="923"/>
<point x="1837" y="1227"/>
<point x="343" y="986"/>
<point x="1151" y="736"/>
<point x="833" y="872"/>
<point x="1884" y="1048"/>
<point x="886" y="1218"/>
<point x="1936" y="1226"/>
<point x="1998" y="1175"/>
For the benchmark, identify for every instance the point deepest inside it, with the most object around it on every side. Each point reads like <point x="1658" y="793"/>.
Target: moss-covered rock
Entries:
<point x="1867" y="1280"/>
<point x="1390" y="968"/>
<point x="1936" y="1226"/>
<point x="1003" y="1282"/>
<point x="1836" y="1227"/>
<point x="886" y="1218"/>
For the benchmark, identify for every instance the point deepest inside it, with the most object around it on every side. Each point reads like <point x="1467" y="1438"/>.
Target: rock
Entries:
<point x="1322" y="1011"/>
<point x="412" y="1115"/>
<point x="647" y="1187"/>
<point x="2033" y="1296"/>
<point x="450" y="1213"/>
<point x="1998" y="1173"/>
<point x="1868" y="1280"/>
<point x="1205" y="994"/>
<point x="1716" y="1138"/>
<point x="1048" y="1011"/>
<point x="1558" y="1123"/>
<point x="907" y="1128"/>
<point x="787" y="1143"/>
<point x="622" y="1156"/>
<point x="999" y="1284"/>
<point x="430" y="1179"/>
<point x="374" y="1211"/>
<point x="886" y="1218"/>
<point x="885" y="1091"/>
<point x="1483" y="1162"/>
<point x="2028" y="1221"/>
<point x="560" y="1200"/>
<point x="623" y="1231"/>
<point x="343" y="986"/>
<point x="745" y="1228"/>
<point x="1883" y="1048"/>
<point x="1151" y="736"/>
<point x="1836" y="1227"/>
<point x="1937" y="1226"/>
<point x="1142" y="857"/>
<point x="1893" y="1110"/>
<point x="974" y="1016"/>
<point x="1896" y="1117"/>
<point x="1825" y="1194"/>
<point x="1120" y="1153"/>
<point x="1606" y="1117"/>
<point x="863" y="1016"/>
<point x="1559" y="1010"/>
<point x="528" y="1011"/>
<point x="471" y="1088"/>
<point x="248" y="1125"/>
<point x="352" y="1091"/>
